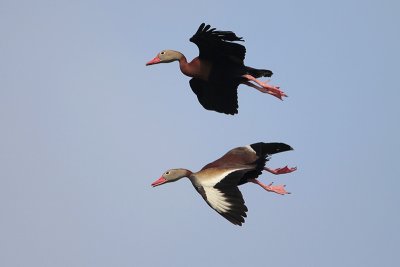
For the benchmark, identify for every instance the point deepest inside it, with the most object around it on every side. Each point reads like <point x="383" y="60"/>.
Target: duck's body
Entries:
<point x="218" y="181"/>
<point x="218" y="70"/>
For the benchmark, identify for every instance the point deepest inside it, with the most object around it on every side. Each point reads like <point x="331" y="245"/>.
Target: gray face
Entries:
<point x="171" y="176"/>
<point x="167" y="56"/>
<point x="174" y="174"/>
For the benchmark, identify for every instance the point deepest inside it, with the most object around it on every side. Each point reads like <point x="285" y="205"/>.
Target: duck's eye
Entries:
<point x="162" y="52"/>
<point x="167" y="173"/>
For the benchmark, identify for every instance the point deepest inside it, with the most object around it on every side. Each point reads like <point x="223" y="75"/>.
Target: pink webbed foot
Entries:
<point x="279" y="189"/>
<point x="273" y="90"/>
<point x="283" y="170"/>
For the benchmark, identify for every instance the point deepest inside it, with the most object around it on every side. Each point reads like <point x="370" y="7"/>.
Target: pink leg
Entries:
<point x="283" y="170"/>
<point x="265" y="87"/>
<point x="279" y="189"/>
<point x="261" y="89"/>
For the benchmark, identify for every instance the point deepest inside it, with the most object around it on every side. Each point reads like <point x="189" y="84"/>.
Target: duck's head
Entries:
<point x="171" y="176"/>
<point x="165" y="56"/>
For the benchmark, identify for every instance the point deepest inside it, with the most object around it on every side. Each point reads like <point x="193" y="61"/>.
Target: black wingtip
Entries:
<point x="201" y="27"/>
<point x="224" y="35"/>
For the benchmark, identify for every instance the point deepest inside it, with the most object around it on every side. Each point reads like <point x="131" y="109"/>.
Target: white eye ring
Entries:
<point x="167" y="173"/>
<point x="162" y="52"/>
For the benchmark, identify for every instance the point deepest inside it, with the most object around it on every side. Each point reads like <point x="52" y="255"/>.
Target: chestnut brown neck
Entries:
<point x="196" y="68"/>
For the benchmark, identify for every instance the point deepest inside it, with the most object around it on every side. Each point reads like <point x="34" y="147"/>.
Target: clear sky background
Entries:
<point x="85" y="128"/>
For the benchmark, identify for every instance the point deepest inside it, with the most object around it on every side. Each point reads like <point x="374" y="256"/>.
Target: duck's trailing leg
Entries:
<point x="279" y="189"/>
<point x="264" y="87"/>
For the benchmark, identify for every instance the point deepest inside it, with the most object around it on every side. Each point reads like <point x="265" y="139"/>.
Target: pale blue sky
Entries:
<point x="85" y="128"/>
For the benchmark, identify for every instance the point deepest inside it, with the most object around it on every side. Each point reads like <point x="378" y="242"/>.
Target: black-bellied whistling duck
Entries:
<point x="218" y="70"/>
<point x="218" y="181"/>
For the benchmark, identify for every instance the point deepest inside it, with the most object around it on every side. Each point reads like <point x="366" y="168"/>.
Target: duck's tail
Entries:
<point x="256" y="73"/>
<point x="265" y="149"/>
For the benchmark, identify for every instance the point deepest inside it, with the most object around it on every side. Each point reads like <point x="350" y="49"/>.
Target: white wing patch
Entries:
<point x="216" y="178"/>
<point x="216" y="199"/>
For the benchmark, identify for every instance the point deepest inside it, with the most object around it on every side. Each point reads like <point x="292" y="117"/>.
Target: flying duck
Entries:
<point x="218" y="181"/>
<point x="218" y="70"/>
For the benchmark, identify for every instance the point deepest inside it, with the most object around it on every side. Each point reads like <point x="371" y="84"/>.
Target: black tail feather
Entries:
<point x="258" y="72"/>
<point x="264" y="149"/>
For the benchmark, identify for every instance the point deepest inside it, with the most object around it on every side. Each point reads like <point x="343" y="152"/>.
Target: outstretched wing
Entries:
<point x="213" y="44"/>
<point x="239" y="156"/>
<point x="226" y="198"/>
<point x="220" y="98"/>
<point x="251" y="155"/>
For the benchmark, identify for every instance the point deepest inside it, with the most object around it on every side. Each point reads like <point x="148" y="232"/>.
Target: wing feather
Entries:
<point x="220" y="98"/>
<point x="213" y="44"/>
<point x="239" y="156"/>
<point x="225" y="197"/>
<point x="228" y="202"/>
